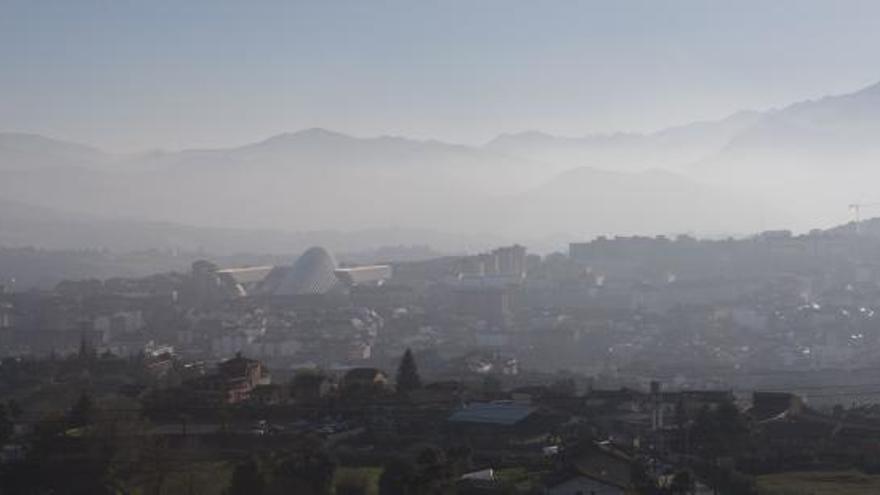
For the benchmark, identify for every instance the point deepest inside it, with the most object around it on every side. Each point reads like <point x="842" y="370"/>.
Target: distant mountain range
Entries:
<point x="671" y="148"/>
<point x="27" y="152"/>
<point x="797" y="167"/>
<point x="829" y="135"/>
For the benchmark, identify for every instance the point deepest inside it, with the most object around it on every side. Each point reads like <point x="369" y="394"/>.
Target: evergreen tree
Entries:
<point x="14" y="409"/>
<point x="246" y="479"/>
<point x="86" y="351"/>
<point x="408" y="374"/>
<point x="306" y="470"/>
<point x="399" y="477"/>
<point x="6" y="425"/>
<point x="720" y="433"/>
<point x="426" y="471"/>
<point x="81" y="413"/>
<point x="733" y="431"/>
<point x="563" y="388"/>
<point x="492" y="385"/>
<point x="682" y="483"/>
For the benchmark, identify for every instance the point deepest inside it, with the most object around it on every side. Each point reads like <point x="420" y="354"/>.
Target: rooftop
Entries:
<point x="498" y="413"/>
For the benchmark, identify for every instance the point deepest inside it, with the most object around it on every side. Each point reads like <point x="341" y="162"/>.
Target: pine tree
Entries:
<point x="82" y="411"/>
<point x="408" y="374"/>
<point x="6" y="425"/>
<point x="247" y="479"/>
<point x="306" y="469"/>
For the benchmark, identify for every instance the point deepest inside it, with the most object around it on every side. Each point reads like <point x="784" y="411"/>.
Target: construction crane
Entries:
<point x="856" y="208"/>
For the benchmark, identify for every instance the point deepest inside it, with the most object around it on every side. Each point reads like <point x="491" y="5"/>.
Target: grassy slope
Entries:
<point x="819" y="483"/>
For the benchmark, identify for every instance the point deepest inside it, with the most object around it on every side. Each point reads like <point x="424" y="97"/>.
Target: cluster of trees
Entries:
<point x="306" y="468"/>
<point x="712" y="441"/>
<point x="310" y="470"/>
<point x="74" y="451"/>
<point x="426" y="470"/>
<point x="89" y="448"/>
<point x="723" y="432"/>
<point x="9" y="411"/>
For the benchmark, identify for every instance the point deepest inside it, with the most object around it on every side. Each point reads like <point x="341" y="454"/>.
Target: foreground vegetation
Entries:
<point x="819" y="483"/>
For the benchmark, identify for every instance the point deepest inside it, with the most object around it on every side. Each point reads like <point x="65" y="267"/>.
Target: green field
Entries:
<point x="367" y="477"/>
<point x="208" y="478"/>
<point x="819" y="483"/>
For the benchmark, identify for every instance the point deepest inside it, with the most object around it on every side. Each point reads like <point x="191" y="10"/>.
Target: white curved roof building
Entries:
<point x="311" y="274"/>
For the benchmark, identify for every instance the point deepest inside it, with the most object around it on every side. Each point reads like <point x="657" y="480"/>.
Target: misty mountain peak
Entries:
<point x="523" y="136"/>
<point x="34" y="142"/>
<point x="872" y="90"/>
<point x="311" y="135"/>
<point x="22" y="151"/>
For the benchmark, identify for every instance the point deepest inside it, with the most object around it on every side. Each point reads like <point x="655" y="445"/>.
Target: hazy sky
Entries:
<point x="128" y="75"/>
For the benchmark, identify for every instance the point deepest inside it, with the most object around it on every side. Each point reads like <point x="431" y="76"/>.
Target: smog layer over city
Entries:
<point x="346" y="247"/>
